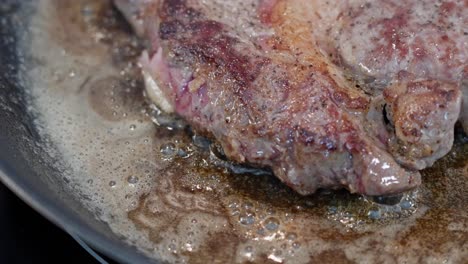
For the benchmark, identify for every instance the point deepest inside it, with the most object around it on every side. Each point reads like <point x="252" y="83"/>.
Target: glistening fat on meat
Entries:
<point x="274" y="83"/>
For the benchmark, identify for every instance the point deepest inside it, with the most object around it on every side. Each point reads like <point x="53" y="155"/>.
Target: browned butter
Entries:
<point x="157" y="188"/>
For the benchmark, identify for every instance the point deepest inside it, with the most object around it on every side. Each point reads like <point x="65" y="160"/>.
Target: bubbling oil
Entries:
<point x="153" y="181"/>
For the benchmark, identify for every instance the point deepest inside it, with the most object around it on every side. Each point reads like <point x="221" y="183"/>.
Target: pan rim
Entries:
<point x="19" y="182"/>
<point x="66" y="220"/>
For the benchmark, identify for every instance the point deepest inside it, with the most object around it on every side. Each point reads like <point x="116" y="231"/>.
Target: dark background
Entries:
<point x="27" y="237"/>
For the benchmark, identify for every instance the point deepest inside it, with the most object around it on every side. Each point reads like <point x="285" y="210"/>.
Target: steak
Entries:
<point x="416" y="53"/>
<point x="326" y="95"/>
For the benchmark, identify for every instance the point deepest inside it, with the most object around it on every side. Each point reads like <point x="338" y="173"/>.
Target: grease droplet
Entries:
<point x="168" y="149"/>
<point x="291" y="236"/>
<point x="132" y="179"/>
<point x="247" y="205"/>
<point x="374" y="214"/>
<point x="271" y="224"/>
<point x="247" y="218"/>
<point x="406" y="204"/>
<point x="235" y="212"/>
<point x="172" y="247"/>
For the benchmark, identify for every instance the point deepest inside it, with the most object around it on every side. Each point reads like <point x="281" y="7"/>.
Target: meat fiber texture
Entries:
<point x="346" y="94"/>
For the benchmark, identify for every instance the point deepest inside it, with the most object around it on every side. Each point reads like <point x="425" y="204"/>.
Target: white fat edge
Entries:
<point x="155" y="94"/>
<point x="152" y="88"/>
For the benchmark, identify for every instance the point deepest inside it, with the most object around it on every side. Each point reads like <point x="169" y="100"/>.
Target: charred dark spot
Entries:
<point x="415" y="132"/>
<point x="191" y="13"/>
<point x="219" y="51"/>
<point x="327" y="143"/>
<point x="306" y="136"/>
<point x="169" y="29"/>
<point x="178" y="9"/>
<point x="385" y="114"/>
<point x="449" y="95"/>
<point x="172" y="7"/>
<point x="290" y="135"/>
<point x="206" y="41"/>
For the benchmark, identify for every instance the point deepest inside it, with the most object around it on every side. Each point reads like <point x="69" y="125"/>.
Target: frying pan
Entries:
<point x="23" y="167"/>
<point x="31" y="173"/>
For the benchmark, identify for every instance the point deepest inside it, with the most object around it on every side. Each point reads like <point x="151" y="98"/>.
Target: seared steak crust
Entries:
<point x="252" y="75"/>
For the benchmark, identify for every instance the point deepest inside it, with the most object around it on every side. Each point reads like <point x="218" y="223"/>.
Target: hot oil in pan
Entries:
<point x="157" y="187"/>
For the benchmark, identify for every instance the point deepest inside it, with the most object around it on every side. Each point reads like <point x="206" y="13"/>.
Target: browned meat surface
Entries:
<point x="327" y="95"/>
<point x="416" y="51"/>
